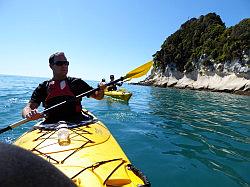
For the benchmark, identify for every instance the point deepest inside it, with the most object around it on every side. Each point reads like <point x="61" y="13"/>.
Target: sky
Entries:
<point x="98" y="37"/>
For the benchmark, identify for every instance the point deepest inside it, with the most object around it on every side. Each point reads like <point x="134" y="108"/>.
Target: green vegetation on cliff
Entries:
<point x="207" y="38"/>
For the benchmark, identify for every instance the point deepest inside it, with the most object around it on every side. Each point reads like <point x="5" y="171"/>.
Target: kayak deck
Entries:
<point x="92" y="158"/>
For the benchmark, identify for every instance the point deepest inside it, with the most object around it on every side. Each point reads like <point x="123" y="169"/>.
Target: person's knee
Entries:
<point x="22" y="168"/>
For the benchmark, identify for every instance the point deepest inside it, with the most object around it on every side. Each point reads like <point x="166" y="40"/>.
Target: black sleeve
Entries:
<point x="40" y="93"/>
<point x="79" y="86"/>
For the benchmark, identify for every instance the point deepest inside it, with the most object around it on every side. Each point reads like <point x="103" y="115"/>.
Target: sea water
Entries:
<point x="175" y="137"/>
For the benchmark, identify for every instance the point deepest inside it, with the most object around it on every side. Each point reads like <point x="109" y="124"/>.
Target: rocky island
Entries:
<point x="205" y="55"/>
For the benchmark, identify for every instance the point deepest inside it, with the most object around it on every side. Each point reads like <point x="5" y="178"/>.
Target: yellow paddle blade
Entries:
<point x="140" y="71"/>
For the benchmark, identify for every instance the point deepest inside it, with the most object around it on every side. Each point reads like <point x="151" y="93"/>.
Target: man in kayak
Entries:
<point x="58" y="89"/>
<point x="113" y="87"/>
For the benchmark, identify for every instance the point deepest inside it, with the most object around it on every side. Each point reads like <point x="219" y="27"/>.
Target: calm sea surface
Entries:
<point x="176" y="137"/>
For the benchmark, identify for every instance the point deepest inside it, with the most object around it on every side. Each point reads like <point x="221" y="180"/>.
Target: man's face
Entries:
<point x="60" y="68"/>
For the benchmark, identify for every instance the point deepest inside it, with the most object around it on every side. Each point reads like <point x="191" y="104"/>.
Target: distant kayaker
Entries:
<point x="102" y="82"/>
<point x="113" y="87"/>
<point x="58" y="89"/>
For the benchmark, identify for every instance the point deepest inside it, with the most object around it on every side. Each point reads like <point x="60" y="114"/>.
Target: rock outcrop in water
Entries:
<point x="204" y="54"/>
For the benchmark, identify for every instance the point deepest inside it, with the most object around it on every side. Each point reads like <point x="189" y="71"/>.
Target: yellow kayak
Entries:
<point x="119" y="94"/>
<point x="87" y="153"/>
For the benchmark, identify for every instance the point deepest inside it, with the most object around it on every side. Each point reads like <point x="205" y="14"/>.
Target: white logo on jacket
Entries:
<point x="62" y="84"/>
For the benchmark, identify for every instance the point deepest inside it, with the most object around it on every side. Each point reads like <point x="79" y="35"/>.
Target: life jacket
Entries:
<point x="59" y="91"/>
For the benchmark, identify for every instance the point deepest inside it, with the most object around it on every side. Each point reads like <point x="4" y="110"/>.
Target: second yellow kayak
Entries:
<point x="119" y="94"/>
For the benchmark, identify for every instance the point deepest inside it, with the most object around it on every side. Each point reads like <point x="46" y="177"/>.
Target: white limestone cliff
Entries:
<point x="233" y="77"/>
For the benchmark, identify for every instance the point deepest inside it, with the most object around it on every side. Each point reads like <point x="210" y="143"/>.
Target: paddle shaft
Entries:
<point x="14" y="125"/>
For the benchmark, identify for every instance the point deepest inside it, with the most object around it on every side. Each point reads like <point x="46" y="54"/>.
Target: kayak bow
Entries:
<point x="90" y="156"/>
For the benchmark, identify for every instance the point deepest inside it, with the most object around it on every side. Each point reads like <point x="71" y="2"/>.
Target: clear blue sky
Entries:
<point x="99" y="37"/>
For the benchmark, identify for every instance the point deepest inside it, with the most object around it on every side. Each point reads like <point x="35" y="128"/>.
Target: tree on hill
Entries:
<point x="205" y="37"/>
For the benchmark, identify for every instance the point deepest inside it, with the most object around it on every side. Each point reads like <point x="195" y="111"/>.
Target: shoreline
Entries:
<point x="245" y="93"/>
<point x="227" y="84"/>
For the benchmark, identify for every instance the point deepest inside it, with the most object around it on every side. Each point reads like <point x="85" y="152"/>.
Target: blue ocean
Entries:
<point x="175" y="137"/>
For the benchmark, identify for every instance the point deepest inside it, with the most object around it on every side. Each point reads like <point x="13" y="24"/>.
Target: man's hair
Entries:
<point x="51" y="59"/>
<point x="59" y="56"/>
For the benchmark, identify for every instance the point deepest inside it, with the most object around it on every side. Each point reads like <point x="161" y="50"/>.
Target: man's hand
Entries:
<point x="33" y="115"/>
<point x="100" y="93"/>
<point x="102" y="86"/>
<point x="30" y="111"/>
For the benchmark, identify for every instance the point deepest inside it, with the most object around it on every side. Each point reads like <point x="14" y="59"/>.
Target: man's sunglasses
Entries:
<point x="60" y="63"/>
